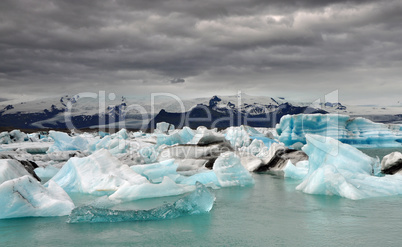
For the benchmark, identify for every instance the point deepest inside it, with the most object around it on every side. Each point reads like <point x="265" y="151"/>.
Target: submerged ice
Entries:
<point x="199" y="201"/>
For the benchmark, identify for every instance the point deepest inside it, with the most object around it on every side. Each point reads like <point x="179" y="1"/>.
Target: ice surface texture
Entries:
<point x="10" y="169"/>
<point x="340" y="169"/>
<point x="100" y="173"/>
<point x="25" y="196"/>
<point x="64" y="142"/>
<point x="199" y="201"/>
<point x="230" y="171"/>
<point x="354" y="131"/>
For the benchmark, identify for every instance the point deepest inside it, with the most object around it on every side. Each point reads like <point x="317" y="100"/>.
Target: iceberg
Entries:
<point x="198" y="202"/>
<point x="13" y="137"/>
<point x="207" y="178"/>
<point x="46" y="172"/>
<point x="339" y="169"/>
<point x="64" y="142"/>
<point x="155" y="172"/>
<point x="182" y="136"/>
<point x="25" y="197"/>
<point x="10" y="169"/>
<point x="115" y="143"/>
<point x="204" y="136"/>
<point x="238" y="136"/>
<point x="131" y="192"/>
<point x="99" y="173"/>
<point x="230" y="171"/>
<point x="191" y="157"/>
<point x="359" y="132"/>
<point x="163" y="127"/>
<point x="298" y="171"/>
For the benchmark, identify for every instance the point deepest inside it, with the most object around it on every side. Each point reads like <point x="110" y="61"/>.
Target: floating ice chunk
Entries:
<point x="206" y="178"/>
<point x="155" y="172"/>
<point x="64" y="142"/>
<point x="230" y="171"/>
<point x="182" y="136"/>
<point x="45" y="172"/>
<point x="266" y="140"/>
<point x="256" y="148"/>
<point x="191" y="157"/>
<point x="340" y="169"/>
<point x="205" y="136"/>
<point x="18" y="136"/>
<point x="121" y="134"/>
<point x="116" y="143"/>
<point x="298" y="171"/>
<point x="238" y="136"/>
<point x="198" y="202"/>
<point x="354" y="131"/>
<point x="130" y="192"/>
<point x="5" y="138"/>
<point x="99" y="173"/>
<point x="12" y="137"/>
<point x="392" y="163"/>
<point x="10" y="169"/>
<point x="163" y="127"/>
<point x="25" y="196"/>
<point x="169" y="140"/>
<point x="186" y="135"/>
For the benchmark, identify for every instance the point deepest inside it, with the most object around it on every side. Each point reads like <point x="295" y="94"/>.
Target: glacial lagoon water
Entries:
<point x="271" y="213"/>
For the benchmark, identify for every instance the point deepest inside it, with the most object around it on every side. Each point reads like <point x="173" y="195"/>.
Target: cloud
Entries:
<point x="177" y="80"/>
<point x="59" y="46"/>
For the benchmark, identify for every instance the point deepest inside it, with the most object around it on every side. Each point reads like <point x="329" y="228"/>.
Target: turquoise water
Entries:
<point x="271" y="213"/>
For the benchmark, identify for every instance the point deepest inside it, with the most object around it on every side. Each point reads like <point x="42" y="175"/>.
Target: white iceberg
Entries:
<point x="238" y="136"/>
<point x="168" y="187"/>
<point x="230" y="171"/>
<point x="25" y="197"/>
<point x="204" y="136"/>
<point x="10" y="169"/>
<point x="155" y="172"/>
<point x="64" y="142"/>
<point x="99" y="173"/>
<point x="340" y="169"/>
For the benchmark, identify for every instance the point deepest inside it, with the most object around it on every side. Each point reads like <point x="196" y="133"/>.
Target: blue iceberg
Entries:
<point x="359" y="132"/>
<point x="155" y="172"/>
<point x="340" y="169"/>
<point x="199" y="201"/>
<point x="238" y="136"/>
<point x="298" y="171"/>
<point x="25" y="196"/>
<point x="230" y="171"/>
<point x="64" y="142"/>
<point x="208" y="178"/>
<point x="182" y="136"/>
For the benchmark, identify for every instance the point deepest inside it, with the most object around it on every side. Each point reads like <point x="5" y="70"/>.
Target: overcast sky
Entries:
<point x="294" y="49"/>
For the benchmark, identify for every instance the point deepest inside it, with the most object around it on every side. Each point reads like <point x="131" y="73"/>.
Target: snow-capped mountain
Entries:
<point x="92" y="110"/>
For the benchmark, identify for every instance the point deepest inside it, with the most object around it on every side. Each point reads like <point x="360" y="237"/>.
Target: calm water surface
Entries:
<point x="271" y="213"/>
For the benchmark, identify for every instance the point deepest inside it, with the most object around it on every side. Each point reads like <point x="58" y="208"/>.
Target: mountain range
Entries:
<point x="97" y="111"/>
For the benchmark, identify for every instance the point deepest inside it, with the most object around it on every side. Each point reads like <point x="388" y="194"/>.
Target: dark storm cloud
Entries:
<point x="177" y="80"/>
<point x="54" y="46"/>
